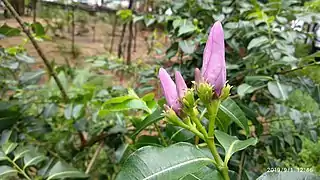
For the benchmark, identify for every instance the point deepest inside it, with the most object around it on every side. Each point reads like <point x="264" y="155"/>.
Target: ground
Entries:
<point x="58" y="49"/>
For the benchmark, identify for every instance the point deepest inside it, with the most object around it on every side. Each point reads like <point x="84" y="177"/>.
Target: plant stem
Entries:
<point x="212" y="108"/>
<point x="19" y="169"/>
<point x="190" y="128"/>
<point x="160" y="135"/>
<point x="95" y="157"/>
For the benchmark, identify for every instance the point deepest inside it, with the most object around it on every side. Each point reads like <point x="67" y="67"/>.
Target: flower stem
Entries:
<point x="160" y="134"/>
<point x="212" y="108"/>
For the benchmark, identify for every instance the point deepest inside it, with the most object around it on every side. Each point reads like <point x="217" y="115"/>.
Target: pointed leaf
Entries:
<point x="234" y="112"/>
<point x="33" y="158"/>
<point x="20" y="152"/>
<point x="187" y="46"/>
<point x="61" y="170"/>
<point x="9" y="147"/>
<point x="204" y="173"/>
<point x="232" y="144"/>
<point x="257" y="42"/>
<point x="150" y="119"/>
<point x="7" y="171"/>
<point x="278" y="90"/>
<point x="172" y="162"/>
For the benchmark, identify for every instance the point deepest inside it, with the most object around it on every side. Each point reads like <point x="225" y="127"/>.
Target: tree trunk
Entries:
<point x="130" y="35"/>
<point x="34" y="7"/>
<point x="18" y="5"/>
<point x="114" y="27"/>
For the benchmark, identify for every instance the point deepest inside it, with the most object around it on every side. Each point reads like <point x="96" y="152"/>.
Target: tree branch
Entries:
<point x="37" y="47"/>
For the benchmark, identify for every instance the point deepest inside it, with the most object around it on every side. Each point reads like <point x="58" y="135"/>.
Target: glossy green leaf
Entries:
<point x="147" y="141"/>
<point x="172" y="50"/>
<point x="20" y="152"/>
<point x="187" y="46"/>
<point x="150" y="119"/>
<point x="204" y="173"/>
<point x="33" y="158"/>
<point x="6" y="171"/>
<point x="244" y="89"/>
<point x="232" y="144"/>
<point x="257" y="42"/>
<point x="9" y="31"/>
<point x="23" y="57"/>
<point x="9" y="147"/>
<point x="78" y="111"/>
<point x="278" y="90"/>
<point x="33" y="77"/>
<point x="257" y="78"/>
<point x="128" y="105"/>
<point x="2" y="156"/>
<point x="178" y="134"/>
<point x="68" y="111"/>
<point x="186" y="28"/>
<point x="172" y="162"/>
<point x="61" y="171"/>
<point x="234" y="112"/>
<point x="38" y="29"/>
<point x="288" y="175"/>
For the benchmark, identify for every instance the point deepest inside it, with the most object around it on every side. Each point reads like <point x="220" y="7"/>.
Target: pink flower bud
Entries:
<point x="181" y="85"/>
<point x="214" y="66"/>
<point x="169" y="90"/>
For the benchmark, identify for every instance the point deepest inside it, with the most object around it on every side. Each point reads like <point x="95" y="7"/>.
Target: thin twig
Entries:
<point x="299" y="68"/>
<point x="95" y="156"/>
<point x="37" y="47"/>
<point x="241" y="165"/>
<point x="160" y="135"/>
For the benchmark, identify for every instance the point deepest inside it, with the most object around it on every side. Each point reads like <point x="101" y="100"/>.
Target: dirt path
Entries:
<point x="58" y="49"/>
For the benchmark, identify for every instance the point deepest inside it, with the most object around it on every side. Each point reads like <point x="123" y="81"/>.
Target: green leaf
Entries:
<point x="244" y="89"/>
<point x="78" y="111"/>
<point x="25" y="58"/>
<point x="62" y="170"/>
<point x="257" y="42"/>
<point x="9" y="31"/>
<point x="288" y="175"/>
<point x="38" y="29"/>
<point x="186" y="28"/>
<point x="172" y="162"/>
<point x="20" y="152"/>
<point x="33" y="77"/>
<point x="178" y="134"/>
<point x="187" y="46"/>
<point x="204" y="173"/>
<point x="234" y="112"/>
<point x="68" y="111"/>
<point x="257" y="78"/>
<point x="118" y="100"/>
<point x="9" y="147"/>
<point x="7" y="171"/>
<point x="2" y="156"/>
<point x="33" y="158"/>
<point x="128" y="105"/>
<point x="150" y="119"/>
<point x="232" y="144"/>
<point x="172" y="51"/>
<point x="279" y="91"/>
<point x="147" y="141"/>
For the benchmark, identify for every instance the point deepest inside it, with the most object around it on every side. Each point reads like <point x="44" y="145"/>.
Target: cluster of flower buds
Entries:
<point x="210" y="82"/>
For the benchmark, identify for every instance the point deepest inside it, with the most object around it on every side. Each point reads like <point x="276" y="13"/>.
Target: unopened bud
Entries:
<point x="170" y="115"/>
<point x="225" y="93"/>
<point x="205" y="92"/>
<point x="188" y="100"/>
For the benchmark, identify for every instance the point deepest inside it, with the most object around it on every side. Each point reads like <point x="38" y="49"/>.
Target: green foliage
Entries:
<point x="172" y="162"/>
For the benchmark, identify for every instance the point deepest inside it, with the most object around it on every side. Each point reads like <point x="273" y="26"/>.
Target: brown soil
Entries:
<point x="59" y="49"/>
